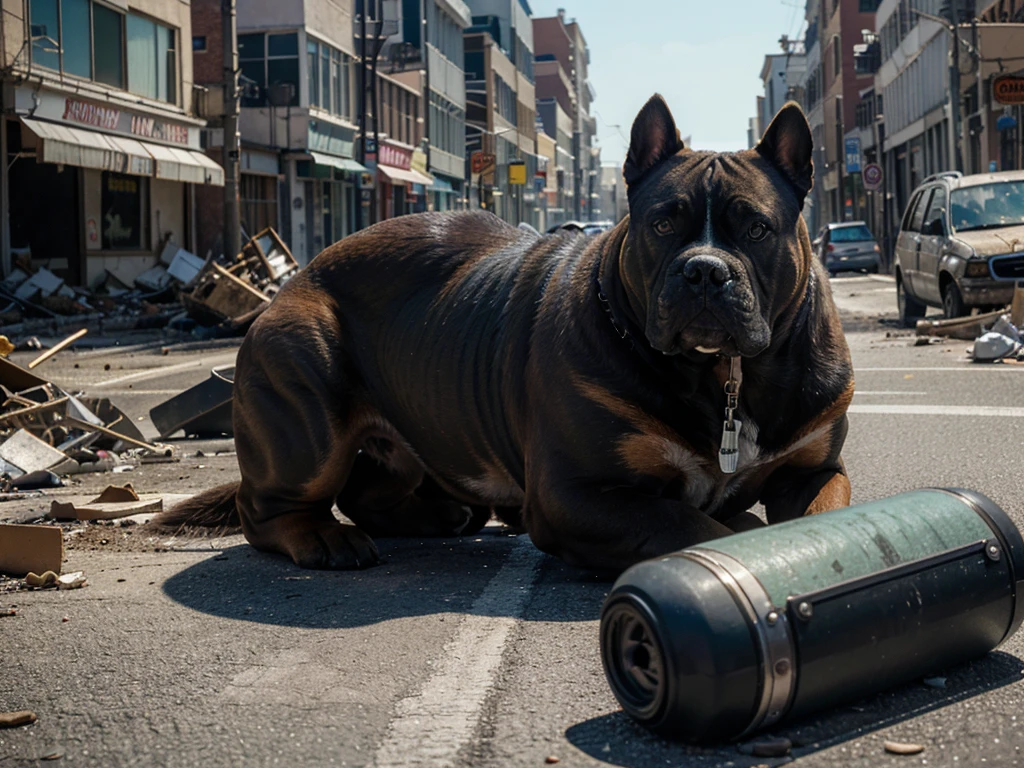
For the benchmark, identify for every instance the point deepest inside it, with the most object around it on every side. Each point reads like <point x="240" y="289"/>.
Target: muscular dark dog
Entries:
<point x="439" y="363"/>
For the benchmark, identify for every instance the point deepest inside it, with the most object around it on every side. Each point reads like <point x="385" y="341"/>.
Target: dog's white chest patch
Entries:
<point x="494" y="487"/>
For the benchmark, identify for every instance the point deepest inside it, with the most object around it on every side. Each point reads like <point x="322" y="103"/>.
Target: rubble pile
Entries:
<point x="47" y="431"/>
<point x="221" y="294"/>
<point x="1003" y="342"/>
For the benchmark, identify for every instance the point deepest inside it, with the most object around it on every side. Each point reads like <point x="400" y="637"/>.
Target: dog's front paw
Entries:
<point x="332" y="546"/>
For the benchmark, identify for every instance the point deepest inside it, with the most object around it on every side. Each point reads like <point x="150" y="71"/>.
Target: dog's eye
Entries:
<point x="663" y="227"/>
<point x="757" y="231"/>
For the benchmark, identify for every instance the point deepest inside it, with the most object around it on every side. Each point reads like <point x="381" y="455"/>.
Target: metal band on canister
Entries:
<point x="775" y="641"/>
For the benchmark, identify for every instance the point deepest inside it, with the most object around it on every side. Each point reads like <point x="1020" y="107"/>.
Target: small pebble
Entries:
<point x="902" y="748"/>
<point x="65" y="619"/>
<point x="551" y="760"/>
<point x="52" y="756"/>
<point x="14" y="719"/>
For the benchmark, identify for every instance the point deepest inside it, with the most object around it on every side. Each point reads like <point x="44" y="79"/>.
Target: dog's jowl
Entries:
<point x="617" y="397"/>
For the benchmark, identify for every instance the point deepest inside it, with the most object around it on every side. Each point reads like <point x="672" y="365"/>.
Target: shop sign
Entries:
<point x="517" y="172"/>
<point x="1008" y="89"/>
<point x="46" y="105"/>
<point x="396" y="157"/>
<point x="419" y="161"/>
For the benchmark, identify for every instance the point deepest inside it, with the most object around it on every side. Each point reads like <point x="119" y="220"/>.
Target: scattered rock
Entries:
<point x="766" y="747"/>
<point x="551" y="760"/>
<point x="902" y="748"/>
<point x="14" y="719"/>
<point x="43" y="580"/>
<point x="8" y="611"/>
<point x="53" y="755"/>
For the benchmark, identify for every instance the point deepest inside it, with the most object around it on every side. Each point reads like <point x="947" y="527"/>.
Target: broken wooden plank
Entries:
<point x="80" y="424"/>
<point x="30" y="549"/>
<point x="58" y="347"/>
<point x="115" y="502"/>
<point x="33" y="409"/>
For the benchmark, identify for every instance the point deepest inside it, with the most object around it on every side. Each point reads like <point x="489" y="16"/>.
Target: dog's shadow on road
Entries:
<point x="617" y="740"/>
<point x="418" y="577"/>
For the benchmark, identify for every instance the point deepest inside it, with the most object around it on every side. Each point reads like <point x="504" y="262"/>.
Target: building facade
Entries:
<point x="99" y="134"/>
<point x="559" y="39"/>
<point x="427" y="52"/>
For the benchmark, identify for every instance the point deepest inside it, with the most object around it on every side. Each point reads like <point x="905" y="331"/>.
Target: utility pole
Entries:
<point x="360" y="208"/>
<point x="840" y="159"/>
<point x="232" y="142"/>
<point x="954" y="91"/>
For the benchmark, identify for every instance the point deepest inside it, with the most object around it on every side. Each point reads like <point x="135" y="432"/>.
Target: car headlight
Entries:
<point x="877" y="249"/>
<point x="977" y="269"/>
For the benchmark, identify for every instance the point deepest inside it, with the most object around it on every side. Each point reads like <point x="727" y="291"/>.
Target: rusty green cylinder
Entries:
<point x="718" y="641"/>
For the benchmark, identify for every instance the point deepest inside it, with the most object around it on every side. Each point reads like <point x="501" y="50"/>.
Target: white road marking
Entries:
<point x="432" y="725"/>
<point x="889" y="392"/>
<point x="941" y="410"/>
<point x="978" y="368"/>
<point x="111" y="392"/>
<point x="154" y="373"/>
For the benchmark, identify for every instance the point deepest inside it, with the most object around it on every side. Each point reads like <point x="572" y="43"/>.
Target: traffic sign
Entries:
<point x="872" y="176"/>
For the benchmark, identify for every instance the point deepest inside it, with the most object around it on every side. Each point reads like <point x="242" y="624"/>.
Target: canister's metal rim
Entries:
<point x="1010" y="539"/>
<point x="776" y="649"/>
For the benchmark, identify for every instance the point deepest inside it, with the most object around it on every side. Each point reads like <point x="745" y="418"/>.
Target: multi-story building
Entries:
<point x="561" y="40"/>
<point x="298" y="66"/>
<point x="612" y="189"/>
<point x="841" y="25"/>
<point x="427" y="52"/>
<point x="506" y="55"/>
<point x="98" y="134"/>
<point x="557" y="125"/>
<point x="546" y="180"/>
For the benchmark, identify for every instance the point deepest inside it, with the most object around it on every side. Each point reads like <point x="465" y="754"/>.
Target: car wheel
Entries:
<point x="873" y="270"/>
<point x="911" y="310"/>
<point x="953" y="301"/>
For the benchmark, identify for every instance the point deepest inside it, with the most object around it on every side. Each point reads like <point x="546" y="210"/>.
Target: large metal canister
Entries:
<point x="717" y="641"/>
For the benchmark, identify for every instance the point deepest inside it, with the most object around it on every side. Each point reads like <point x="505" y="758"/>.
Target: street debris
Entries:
<point x="551" y="760"/>
<point x="965" y="328"/>
<point x="30" y="549"/>
<point x="935" y="682"/>
<point x="1002" y="343"/>
<point x="14" y="719"/>
<point x="49" y="430"/>
<point x="232" y="295"/>
<point x="50" y="579"/>
<point x="113" y="503"/>
<point x="203" y="410"/>
<point x="901" y="748"/>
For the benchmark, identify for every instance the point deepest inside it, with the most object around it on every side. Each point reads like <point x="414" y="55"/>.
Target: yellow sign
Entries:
<point x="517" y="173"/>
<point x="419" y="161"/>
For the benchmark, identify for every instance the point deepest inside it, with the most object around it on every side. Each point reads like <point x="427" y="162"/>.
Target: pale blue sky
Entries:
<point x="703" y="56"/>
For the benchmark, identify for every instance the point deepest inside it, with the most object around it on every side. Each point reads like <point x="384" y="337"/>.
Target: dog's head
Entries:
<point x="714" y="253"/>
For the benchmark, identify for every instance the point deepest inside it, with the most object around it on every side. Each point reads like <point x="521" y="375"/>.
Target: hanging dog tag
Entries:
<point x="729" y="454"/>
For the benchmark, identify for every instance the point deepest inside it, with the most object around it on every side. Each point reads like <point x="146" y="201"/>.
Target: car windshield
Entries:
<point x="851" y="234"/>
<point x="987" y="206"/>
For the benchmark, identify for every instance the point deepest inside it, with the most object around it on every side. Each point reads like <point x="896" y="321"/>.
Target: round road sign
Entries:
<point x="872" y="176"/>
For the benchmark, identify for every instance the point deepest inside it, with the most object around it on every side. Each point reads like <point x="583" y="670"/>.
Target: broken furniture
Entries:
<point x="201" y="411"/>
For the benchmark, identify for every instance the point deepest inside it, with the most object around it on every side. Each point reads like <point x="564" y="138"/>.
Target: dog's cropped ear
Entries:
<point x="788" y="145"/>
<point x="653" y="139"/>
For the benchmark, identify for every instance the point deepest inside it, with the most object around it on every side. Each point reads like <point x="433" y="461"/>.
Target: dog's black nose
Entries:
<point x="700" y="270"/>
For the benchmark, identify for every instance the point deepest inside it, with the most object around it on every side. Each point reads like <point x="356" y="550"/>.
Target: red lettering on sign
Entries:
<point x="91" y="114"/>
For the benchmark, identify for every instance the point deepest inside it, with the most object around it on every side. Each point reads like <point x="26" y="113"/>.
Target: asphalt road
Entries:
<point x="468" y="652"/>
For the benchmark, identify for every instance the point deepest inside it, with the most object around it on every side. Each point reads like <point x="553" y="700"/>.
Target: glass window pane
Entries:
<point x="45" y="33"/>
<point x="107" y="46"/>
<point x="285" y="71"/>
<point x="75" y="21"/>
<point x="325" y="77"/>
<point x="251" y="46"/>
<point x="253" y="71"/>
<point x="171" y="57"/>
<point x="283" y="45"/>
<point x="142" y="56"/>
<point x="313" y="74"/>
<point x="337" y="104"/>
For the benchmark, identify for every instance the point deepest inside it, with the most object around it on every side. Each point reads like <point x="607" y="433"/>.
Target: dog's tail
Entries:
<point x="214" y="508"/>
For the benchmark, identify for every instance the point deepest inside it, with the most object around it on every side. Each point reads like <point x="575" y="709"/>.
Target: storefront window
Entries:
<point x="121" y="199"/>
<point x="109" y="46"/>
